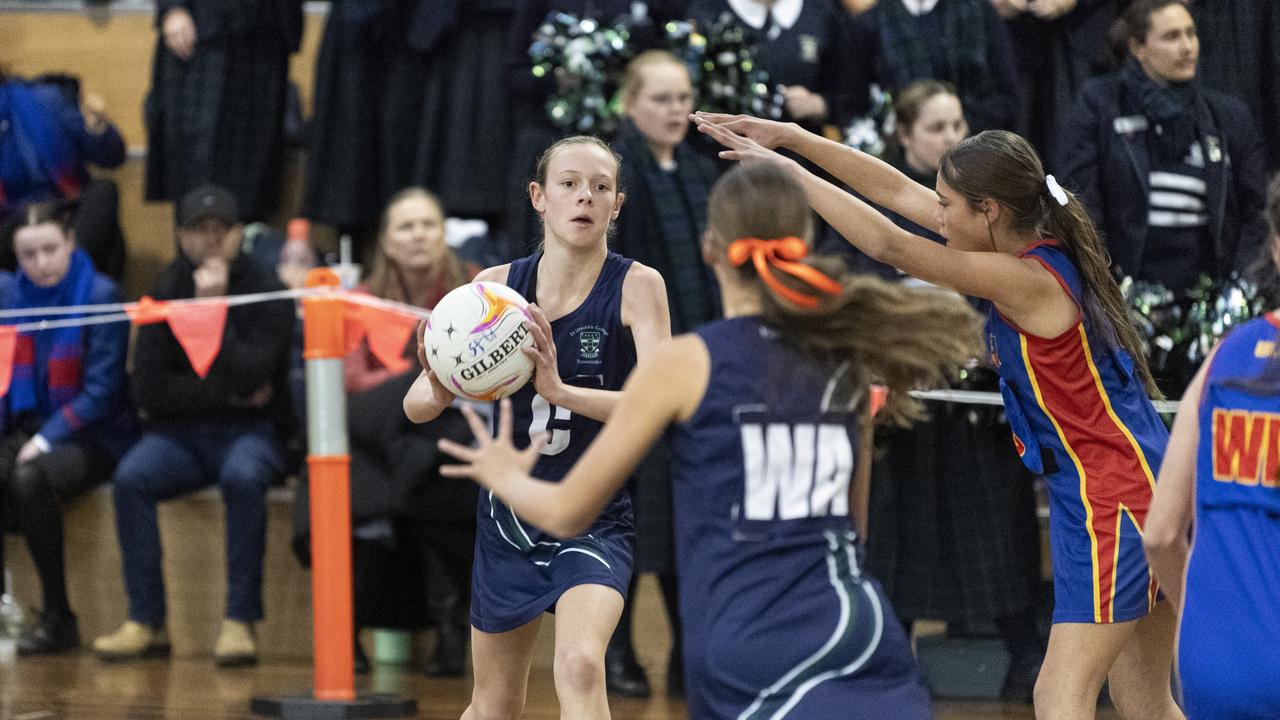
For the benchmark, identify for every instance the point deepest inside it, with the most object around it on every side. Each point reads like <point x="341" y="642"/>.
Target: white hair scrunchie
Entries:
<point x="1056" y="190"/>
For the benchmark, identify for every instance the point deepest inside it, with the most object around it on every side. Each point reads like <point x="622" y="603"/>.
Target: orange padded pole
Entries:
<point x="330" y="487"/>
<point x="332" y="604"/>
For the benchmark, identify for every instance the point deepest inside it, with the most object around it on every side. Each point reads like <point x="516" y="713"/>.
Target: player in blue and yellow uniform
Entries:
<point x="1073" y="376"/>
<point x="768" y="421"/>
<point x="1220" y="481"/>
<point x="594" y="313"/>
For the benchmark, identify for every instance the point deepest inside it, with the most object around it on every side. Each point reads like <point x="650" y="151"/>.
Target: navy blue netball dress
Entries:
<point x="781" y="619"/>
<point x="1229" y="641"/>
<point x="520" y="572"/>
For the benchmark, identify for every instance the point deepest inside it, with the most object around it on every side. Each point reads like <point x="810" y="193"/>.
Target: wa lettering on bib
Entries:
<point x="795" y="470"/>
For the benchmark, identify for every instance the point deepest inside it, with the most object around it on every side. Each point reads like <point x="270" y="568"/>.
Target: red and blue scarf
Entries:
<point x="61" y="349"/>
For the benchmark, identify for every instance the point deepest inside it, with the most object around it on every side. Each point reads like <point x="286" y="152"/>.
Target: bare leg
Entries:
<point x="1139" y="680"/>
<point x="501" y="667"/>
<point x="585" y="618"/>
<point x="1078" y="659"/>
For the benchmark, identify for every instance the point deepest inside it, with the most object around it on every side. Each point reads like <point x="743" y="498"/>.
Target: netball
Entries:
<point x="474" y="341"/>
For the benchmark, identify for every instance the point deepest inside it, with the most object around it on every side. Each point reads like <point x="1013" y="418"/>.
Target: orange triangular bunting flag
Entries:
<point x="8" y="340"/>
<point x="353" y="326"/>
<point x="388" y="333"/>
<point x="147" y="310"/>
<point x="198" y="328"/>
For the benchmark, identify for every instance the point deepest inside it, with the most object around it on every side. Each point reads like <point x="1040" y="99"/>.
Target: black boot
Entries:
<point x="54" y="633"/>
<point x="623" y="675"/>
<point x="451" y="651"/>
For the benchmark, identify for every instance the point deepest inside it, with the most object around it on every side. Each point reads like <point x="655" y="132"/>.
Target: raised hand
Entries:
<point x="1051" y="9"/>
<point x="804" y="105"/>
<point x="768" y="134"/>
<point x="739" y="147"/>
<point x="492" y="461"/>
<point x="211" y="277"/>
<point x="179" y="32"/>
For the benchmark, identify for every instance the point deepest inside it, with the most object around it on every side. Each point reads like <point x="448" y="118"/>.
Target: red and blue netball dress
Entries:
<point x="1229" y="640"/>
<point x="781" y="619"/>
<point x="520" y="572"/>
<point x="1081" y="417"/>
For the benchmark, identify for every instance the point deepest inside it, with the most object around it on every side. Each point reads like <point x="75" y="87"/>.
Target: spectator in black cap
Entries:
<point x="225" y="428"/>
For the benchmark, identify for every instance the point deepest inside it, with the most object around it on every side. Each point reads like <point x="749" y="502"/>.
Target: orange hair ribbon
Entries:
<point x="782" y="254"/>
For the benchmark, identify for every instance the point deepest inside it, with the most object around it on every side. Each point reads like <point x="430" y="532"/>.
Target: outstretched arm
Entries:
<point x="874" y="179"/>
<point x="1021" y="288"/>
<point x="652" y="399"/>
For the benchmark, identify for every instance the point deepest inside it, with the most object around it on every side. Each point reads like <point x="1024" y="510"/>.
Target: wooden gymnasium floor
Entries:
<point x="188" y="686"/>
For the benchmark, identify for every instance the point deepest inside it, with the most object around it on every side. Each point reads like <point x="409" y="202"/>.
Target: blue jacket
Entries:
<point x="1104" y="158"/>
<point x="101" y="408"/>
<point x="29" y="171"/>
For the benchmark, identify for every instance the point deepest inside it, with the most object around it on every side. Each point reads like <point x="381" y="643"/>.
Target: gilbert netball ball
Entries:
<point x="474" y="340"/>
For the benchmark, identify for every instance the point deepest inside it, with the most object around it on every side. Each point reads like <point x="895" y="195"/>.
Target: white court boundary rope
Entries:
<point x="971" y="397"/>
<point x="118" y="312"/>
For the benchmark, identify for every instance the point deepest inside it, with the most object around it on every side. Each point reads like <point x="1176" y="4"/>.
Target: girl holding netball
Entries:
<point x="1218" y="484"/>
<point x="1073" y="376"/>
<point x="767" y="417"/>
<point x="595" y="313"/>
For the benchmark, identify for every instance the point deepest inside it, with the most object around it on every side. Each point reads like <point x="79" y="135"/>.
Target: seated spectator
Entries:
<point x="412" y="264"/>
<point x="414" y="530"/>
<point x="49" y="136"/>
<point x="225" y="428"/>
<point x="66" y="419"/>
<point x="962" y="42"/>
<point x="1171" y="172"/>
<point x="667" y="183"/>
<point x="394" y="462"/>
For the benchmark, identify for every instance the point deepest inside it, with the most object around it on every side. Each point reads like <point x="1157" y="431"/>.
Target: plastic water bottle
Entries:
<point x="297" y="247"/>
<point x="296" y="256"/>
<point x="12" y="617"/>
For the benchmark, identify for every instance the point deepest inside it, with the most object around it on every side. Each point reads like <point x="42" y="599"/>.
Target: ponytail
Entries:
<point x="902" y="338"/>
<point x="1104" y="306"/>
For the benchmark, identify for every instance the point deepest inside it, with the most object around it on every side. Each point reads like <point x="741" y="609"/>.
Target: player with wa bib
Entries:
<point x="591" y="313"/>
<point x="768" y="420"/>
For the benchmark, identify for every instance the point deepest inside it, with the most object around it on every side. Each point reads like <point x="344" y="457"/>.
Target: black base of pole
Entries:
<point x="305" y="707"/>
